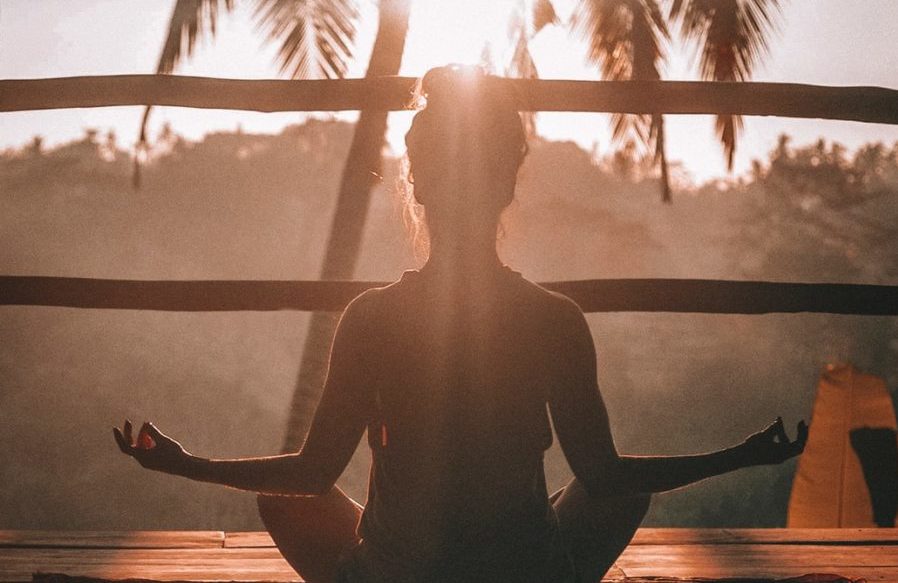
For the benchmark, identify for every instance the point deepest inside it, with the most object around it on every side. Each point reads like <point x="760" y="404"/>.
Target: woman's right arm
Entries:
<point x="338" y="425"/>
<point x="581" y="423"/>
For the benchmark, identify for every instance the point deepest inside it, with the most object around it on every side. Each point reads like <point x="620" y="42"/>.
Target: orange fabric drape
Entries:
<point x="829" y="488"/>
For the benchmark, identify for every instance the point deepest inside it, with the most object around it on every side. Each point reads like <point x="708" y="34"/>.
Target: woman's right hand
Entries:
<point x="152" y="449"/>
<point x="772" y="445"/>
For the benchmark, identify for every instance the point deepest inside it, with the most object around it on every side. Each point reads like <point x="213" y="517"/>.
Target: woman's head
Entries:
<point x="464" y="150"/>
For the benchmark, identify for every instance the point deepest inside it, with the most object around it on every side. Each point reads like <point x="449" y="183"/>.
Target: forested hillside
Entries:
<point x="238" y="206"/>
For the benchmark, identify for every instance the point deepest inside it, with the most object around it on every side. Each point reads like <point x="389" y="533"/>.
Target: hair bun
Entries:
<point x="451" y="84"/>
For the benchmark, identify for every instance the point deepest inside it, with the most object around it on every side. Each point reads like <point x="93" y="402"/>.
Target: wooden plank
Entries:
<point x="614" y="578"/>
<point x="249" y="556"/>
<point x="890" y="575"/>
<point x="145" y="539"/>
<point x="63" y="578"/>
<point x="867" y="104"/>
<point x="159" y="564"/>
<point x="265" y="565"/>
<point x="692" y="536"/>
<point x="770" y="536"/>
<point x="233" y="540"/>
<point x="745" y="556"/>
<point x="644" y="536"/>
<point x="596" y="295"/>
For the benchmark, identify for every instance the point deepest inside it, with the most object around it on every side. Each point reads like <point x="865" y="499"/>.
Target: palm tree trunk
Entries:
<point x="363" y="166"/>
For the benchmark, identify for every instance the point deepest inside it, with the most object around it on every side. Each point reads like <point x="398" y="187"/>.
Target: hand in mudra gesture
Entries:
<point x="772" y="445"/>
<point x="152" y="449"/>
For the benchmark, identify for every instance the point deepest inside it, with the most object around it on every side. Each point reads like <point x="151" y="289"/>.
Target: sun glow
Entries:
<point x="465" y="32"/>
<point x="461" y="31"/>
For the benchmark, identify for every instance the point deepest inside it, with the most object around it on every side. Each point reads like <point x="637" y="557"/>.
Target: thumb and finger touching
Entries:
<point x="774" y="440"/>
<point x="796" y="446"/>
<point x="148" y="438"/>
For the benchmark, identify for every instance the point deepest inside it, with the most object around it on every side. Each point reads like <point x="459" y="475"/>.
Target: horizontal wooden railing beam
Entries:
<point x="596" y="295"/>
<point x="865" y="104"/>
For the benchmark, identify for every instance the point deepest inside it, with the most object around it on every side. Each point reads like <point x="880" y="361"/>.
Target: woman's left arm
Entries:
<point x="336" y="429"/>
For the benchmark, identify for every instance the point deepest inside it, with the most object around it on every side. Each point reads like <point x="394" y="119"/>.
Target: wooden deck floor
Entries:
<point x="871" y="554"/>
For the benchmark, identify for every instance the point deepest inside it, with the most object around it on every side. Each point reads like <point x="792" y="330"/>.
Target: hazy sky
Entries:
<point x="837" y="42"/>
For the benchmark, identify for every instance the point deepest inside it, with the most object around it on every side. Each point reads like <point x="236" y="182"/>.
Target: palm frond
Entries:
<point x="523" y="66"/>
<point x="624" y="37"/>
<point x="316" y="36"/>
<point x="487" y="60"/>
<point x="190" y="20"/>
<point x="625" y="40"/>
<point x="543" y="15"/>
<point x="733" y="37"/>
<point x="520" y="33"/>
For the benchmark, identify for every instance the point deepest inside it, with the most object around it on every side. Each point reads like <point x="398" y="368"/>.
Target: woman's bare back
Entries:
<point x="457" y="393"/>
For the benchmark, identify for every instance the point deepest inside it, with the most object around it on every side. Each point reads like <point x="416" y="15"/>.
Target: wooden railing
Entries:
<point x="864" y="104"/>
<point x="596" y="295"/>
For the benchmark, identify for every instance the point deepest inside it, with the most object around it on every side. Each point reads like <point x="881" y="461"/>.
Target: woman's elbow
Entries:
<point x="320" y="487"/>
<point x="608" y="479"/>
<point x="311" y="480"/>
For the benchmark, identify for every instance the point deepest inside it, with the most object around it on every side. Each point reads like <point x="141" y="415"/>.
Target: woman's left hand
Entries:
<point x="772" y="445"/>
<point x="152" y="449"/>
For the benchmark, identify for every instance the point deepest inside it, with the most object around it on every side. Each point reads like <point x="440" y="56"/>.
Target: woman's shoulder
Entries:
<point x="411" y="286"/>
<point x="375" y="299"/>
<point x="553" y="302"/>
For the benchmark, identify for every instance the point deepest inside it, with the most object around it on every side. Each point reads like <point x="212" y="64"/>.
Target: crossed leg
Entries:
<point x="312" y="531"/>
<point x="596" y="530"/>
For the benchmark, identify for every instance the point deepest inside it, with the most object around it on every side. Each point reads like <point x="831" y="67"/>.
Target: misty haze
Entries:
<point x="239" y="206"/>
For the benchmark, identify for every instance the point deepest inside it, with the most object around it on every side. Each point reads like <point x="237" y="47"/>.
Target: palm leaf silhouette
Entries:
<point x="190" y="21"/>
<point x="732" y="39"/>
<point x="543" y="15"/>
<point x="625" y="38"/>
<point x="316" y="36"/>
<point x="520" y="33"/>
<point x="316" y="39"/>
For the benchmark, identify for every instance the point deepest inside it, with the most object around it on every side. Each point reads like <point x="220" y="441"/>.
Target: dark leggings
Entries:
<point x="312" y="532"/>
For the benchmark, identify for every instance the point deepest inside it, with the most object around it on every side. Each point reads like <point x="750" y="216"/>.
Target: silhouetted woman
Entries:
<point x="453" y="371"/>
